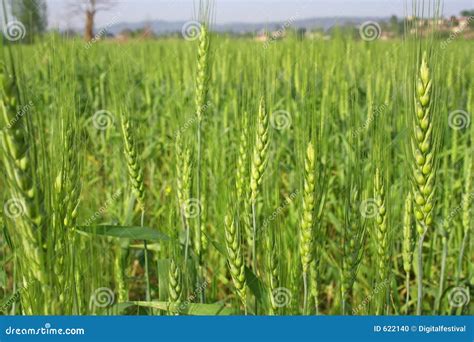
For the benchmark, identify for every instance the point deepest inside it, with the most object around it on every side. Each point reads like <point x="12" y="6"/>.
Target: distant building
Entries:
<point x="124" y="35"/>
<point x="454" y="24"/>
<point x="264" y="36"/>
<point x="261" y="37"/>
<point x="147" y="32"/>
<point x="315" y="35"/>
<point x="387" y="35"/>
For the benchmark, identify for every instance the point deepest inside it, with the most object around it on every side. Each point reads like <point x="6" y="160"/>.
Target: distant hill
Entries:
<point x="161" y="27"/>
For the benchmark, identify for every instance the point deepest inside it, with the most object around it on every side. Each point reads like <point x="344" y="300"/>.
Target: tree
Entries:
<point x="470" y="15"/>
<point x="301" y="33"/>
<point x="396" y="26"/>
<point x="467" y="13"/>
<point x="33" y="15"/>
<point x="394" y="21"/>
<point x="90" y="8"/>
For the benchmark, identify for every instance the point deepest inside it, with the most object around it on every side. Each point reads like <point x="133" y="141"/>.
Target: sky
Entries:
<point x="226" y="11"/>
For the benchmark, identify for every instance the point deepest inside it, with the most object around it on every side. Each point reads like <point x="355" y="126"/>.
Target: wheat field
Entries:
<point x="222" y="176"/>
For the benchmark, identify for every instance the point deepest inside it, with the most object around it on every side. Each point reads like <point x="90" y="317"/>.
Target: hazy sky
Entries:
<point x="240" y="10"/>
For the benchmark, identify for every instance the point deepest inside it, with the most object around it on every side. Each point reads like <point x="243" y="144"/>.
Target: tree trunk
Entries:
<point x="89" y="29"/>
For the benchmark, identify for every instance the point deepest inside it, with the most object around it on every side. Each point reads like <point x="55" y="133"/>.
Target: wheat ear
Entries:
<point x="307" y="220"/>
<point x="468" y="195"/>
<point x="242" y="163"/>
<point x="20" y="174"/>
<point x="259" y="161"/>
<point x="174" y="284"/>
<point x="352" y="246"/>
<point x="424" y="173"/>
<point x="68" y="188"/>
<point x="68" y="180"/>
<point x="202" y="79"/>
<point x="202" y="76"/>
<point x="183" y="184"/>
<point x="272" y="271"/>
<point x="242" y="180"/>
<point x="381" y="230"/>
<point x="135" y="173"/>
<point x="235" y="260"/>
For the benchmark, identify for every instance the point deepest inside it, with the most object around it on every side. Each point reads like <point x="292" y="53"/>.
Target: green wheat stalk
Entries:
<point x="408" y="244"/>
<point x="202" y="80"/>
<point x="424" y="166"/>
<point x="135" y="173"/>
<point x="19" y="168"/>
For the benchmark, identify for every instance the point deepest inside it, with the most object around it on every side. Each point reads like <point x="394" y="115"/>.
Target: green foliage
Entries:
<point x="33" y="15"/>
<point x="81" y="232"/>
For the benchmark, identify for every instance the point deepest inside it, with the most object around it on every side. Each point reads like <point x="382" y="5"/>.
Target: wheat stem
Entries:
<point x="202" y="79"/>
<point x="407" y="245"/>
<point x="420" y="273"/>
